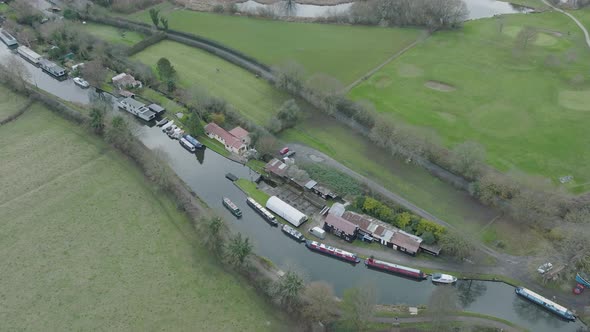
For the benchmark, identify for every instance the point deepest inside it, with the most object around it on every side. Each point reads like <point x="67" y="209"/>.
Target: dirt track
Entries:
<point x="207" y="5"/>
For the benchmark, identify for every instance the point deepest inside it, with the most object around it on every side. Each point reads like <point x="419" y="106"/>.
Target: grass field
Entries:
<point x="250" y="189"/>
<point x="344" y="52"/>
<point x="253" y="97"/>
<point x="10" y="103"/>
<point x="87" y="245"/>
<point x="3" y="8"/>
<point x="529" y="108"/>
<point x="111" y="34"/>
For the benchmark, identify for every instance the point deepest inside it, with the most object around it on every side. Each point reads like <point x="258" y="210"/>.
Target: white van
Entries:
<point x="318" y="232"/>
<point x="187" y="145"/>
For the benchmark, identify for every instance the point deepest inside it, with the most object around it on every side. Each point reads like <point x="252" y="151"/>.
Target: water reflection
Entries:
<point x="469" y="291"/>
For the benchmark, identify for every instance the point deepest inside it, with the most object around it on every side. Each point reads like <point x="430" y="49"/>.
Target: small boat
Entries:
<point x="162" y="122"/>
<point x="232" y="207"/>
<point x="442" y="278"/>
<point x="79" y="81"/>
<point x="231" y="177"/>
<point x="194" y="141"/>
<point x="331" y="251"/>
<point x="394" y="268"/>
<point x="547" y="304"/>
<point x="583" y="280"/>
<point x="293" y="233"/>
<point x="269" y="217"/>
<point x="578" y="289"/>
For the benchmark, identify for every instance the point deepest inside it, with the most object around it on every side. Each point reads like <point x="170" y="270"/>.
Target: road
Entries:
<point x="582" y="27"/>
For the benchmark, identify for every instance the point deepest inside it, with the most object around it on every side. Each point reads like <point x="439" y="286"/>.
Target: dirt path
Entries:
<point x="423" y="37"/>
<point x="582" y="27"/>
<point x="468" y="319"/>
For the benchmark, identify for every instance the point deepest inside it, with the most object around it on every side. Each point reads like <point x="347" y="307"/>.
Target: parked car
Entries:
<point x="283" y="151"/>
<point x="289" y="154"/>
<point x="81" y="82"/>
<point x="545" y="268"/>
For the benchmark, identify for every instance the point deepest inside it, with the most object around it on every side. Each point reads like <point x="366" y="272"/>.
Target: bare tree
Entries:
<point x="319" y="302"/>
<point x="524" y="37"/>
<point x="468" y="159"/>
<point x="95" y="73"/>
<point x="17" y="74"/>
<point x="158" y="171"/>
<point x="443" y="303"/>
<point x="358" y="306"/>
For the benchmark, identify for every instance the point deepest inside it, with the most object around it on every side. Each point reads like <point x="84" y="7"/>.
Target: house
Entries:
<point x="340" y="227"/>
<point x="276" y="168"/>
<point x="136" y="108"/>
<point x="242" y="134"/>
<point x="229" y="141"/>
<point x="125" y="80"/>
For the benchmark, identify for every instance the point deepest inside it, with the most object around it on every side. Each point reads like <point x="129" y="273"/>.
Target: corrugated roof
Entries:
<point x="401" y="239"/>
<point x="337" y="209"/>
<point x="340" y="223"/>
<point x="276" y="166"/>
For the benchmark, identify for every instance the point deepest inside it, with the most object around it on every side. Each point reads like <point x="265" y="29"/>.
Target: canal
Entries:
<point x="205" y="173"/>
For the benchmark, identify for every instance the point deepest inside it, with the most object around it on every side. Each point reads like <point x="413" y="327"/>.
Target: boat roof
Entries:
<point x="398" y="266"/>
<point x="547" y="301"/>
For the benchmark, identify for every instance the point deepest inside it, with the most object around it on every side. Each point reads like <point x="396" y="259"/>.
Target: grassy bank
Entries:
<point x="111" y="34"/>
<point x="250" y="189"/>
<point x="526" y="103"/>
<point x="10" y="103"/>
<point x="86" y="243"/>
<point x="255" y="98"/>
<point x="344" y="52"/>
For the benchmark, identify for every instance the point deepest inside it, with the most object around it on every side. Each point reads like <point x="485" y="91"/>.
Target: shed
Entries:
<point x="431" y="249"/>
<point x="126" y="94"/>
<point x="337" y="209"/>
<point x="286" y="211"/>
<point x="310" y="184"/>
<point x="276" y="167"/>
<point x="405" y="242"/>
<point x="156" y="108"/>
<point x="340" y="227"/>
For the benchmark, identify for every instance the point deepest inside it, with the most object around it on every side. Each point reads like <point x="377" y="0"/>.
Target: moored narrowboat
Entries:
<point x="232" y="207"/>
<point x="547" y="304"/>
<point x="333" y="252"/>
<point x="292" y="232"/>
<point x="395" y="269"/>
<point x="264" y="213"/>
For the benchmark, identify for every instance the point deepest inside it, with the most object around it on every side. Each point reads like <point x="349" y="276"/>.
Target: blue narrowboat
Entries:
<point x="193" y="141"/>
<point x="547" y="304"/>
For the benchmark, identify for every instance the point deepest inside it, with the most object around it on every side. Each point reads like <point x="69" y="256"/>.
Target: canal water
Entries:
<point x="205" y="173"/>
<point x="477" y="9"/>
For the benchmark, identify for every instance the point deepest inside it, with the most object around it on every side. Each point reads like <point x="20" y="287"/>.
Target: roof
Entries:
<point x="430" y="247"/>
<point x="239" y="132"/>
<point x="124" y="78"/>
<point x="310" y="184"/>
<point x="324" y="190"/>
<point x="337" y="209"/>
<point x="229" y="139"/>
<point x="156" y="108"/>
<point x="402" y="239"/>
<point x="276" y="166"/>
<point x="286" y="211"/>
<point x="126" y="93"/>
<point x="360" y="219"/>
<point x="340" y="223"/>
<point x="133" y="102"/>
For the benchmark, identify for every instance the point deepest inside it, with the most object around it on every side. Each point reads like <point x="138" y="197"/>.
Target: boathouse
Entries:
<point x="340" y="227"/>
<point x="229" y="141"/>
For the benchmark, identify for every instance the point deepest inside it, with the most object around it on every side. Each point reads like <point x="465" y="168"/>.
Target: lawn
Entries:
<point x="527" y="106"/>
<point x="4" y="8"/>
<point x="344" y="52"/>
<point x="112" y="34"/>
<point x="10" y="103"/>
<point x="254" y="97"/>
<point x="86" y="244"/>
<point x="250" y="189"/>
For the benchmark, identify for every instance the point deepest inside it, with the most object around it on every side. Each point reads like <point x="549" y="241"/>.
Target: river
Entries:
<point x="205" y="173"/>
<point x="477" y="9"/>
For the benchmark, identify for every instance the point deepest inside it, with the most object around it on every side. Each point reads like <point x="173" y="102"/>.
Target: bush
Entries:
<point x="218" y="8"/>
<point x="340" y="182"/>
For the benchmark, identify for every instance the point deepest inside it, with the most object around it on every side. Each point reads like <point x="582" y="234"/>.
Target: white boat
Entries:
<point x="442" y="278"/>
<point x="81" y="82"/>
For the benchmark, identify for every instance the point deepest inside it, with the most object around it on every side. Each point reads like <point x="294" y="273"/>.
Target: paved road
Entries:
<point x="468" y="319"/>
<point x="586" y="35"/>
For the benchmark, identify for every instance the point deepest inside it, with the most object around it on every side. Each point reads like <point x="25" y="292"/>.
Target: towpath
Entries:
<point x="482" y="321"/>
<point x="582" y="27"/>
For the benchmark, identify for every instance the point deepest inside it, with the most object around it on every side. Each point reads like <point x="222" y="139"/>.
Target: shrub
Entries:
<point x="340" y="182"/>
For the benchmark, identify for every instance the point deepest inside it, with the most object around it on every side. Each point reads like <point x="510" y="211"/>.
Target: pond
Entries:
<point x="477" y="9"/>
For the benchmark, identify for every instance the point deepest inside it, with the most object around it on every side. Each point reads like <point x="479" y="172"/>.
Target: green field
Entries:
<point x="250" y="189"/>
<point x="88" y="245"/>
<point x="10" y="103"/>
<point x="3" y="7"/>
<point x="112" y="34"/>
<point x="253" y="97"/>
<point x="528" y="106"/>
<point x="344" y="52"/>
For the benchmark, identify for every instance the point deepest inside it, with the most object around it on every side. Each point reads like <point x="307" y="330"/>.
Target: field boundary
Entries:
<point x="16" y="115"/>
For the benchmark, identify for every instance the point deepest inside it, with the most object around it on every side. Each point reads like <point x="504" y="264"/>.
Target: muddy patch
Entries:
<point x="439" y="86"/>
<point x="407" y="70"/>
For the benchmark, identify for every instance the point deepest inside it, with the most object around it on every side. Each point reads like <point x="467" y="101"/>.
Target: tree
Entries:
<point x="320" y="303"/>
<point x="403" y="220"/>
<point x="97" y="120"/>
<point x="157" y="169"/>
<point x="165" y="69"/>
<point x="155" y="16"/>
<point x="290" y="76"/>
<point x="218" y="118"/>
<point x="213" y="231"/>
<point x="238" y="251"/>
<point x="193" y="125"/>
<point x="289" y="7"/>
<point x="94" y="72"/>
<point x="428" y="237"/>
<point x="164" y="22"/>
<point x="468" y="159"/>
<point x="267" y="145"/>
<point x="443" y="303"/>
<point x="289" y="113"/>
<point x="358" y="305"/>
<point x="288" y="288"/>
<point x="455" y="245"/>
<point x="17" y="74"/>
<point x="525" y="36"/>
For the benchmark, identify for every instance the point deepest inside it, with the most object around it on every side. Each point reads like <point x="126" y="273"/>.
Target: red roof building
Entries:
<point x="340" y="227"/>
<point x="229" y="141"/>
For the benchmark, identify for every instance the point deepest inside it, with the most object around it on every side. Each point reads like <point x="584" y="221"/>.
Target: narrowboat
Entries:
<point x="187" y="145"/>
<point x="194" y="141"/>
<point x="333" y="252"/>
<point x="232" y="207"/>
<point x="547" y="304"/>
<point x="162" y="122"/>
<point x="231" y="177"/>
<point x="394" y="268"/>
<point x="442" y="278"/>
<point x="582" y="280"/>
<point x="269" y="217"/>
<point x="290" y="231"/>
